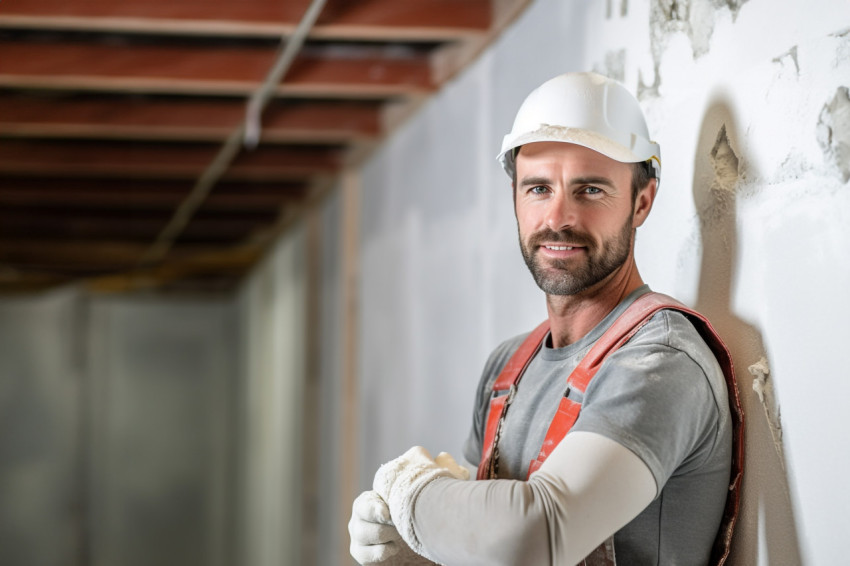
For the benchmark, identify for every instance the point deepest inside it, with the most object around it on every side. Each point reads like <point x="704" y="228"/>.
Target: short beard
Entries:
<point x="557" y="279"/>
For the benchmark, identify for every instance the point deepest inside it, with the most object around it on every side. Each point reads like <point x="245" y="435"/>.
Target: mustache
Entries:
<point x="567" y="236"/>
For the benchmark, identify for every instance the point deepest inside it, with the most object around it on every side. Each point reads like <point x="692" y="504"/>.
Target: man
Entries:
<point x="606" y="434"/>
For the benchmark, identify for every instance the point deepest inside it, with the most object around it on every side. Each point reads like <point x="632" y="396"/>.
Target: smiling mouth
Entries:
<point x="560" y="248"/>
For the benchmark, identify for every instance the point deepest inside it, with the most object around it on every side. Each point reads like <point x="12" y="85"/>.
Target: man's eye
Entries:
<point x="538" y="190"/>
<point x="592" y="190"/>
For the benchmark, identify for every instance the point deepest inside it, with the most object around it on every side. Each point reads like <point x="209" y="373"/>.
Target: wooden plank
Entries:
<point x="341" y="19"/>
<point x="88" y="255"/>
<point x="182" y="118"/>
<point x="143" y="194"/>
<point x="160" y="160"/>
<point x="69" y="254"/>
<point x="207" y="69"/>
<point x="217" y="270"/>
<point x="39" y="223"/>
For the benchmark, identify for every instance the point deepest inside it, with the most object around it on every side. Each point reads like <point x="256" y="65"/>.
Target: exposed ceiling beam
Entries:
<point x="110" y="266"/>
<point x="182" y="119"/>
<point x="143" y="194"/>
<point x="111" y="112"/>
<point x="40" y="224"/>
<point x="342" y="19"/>
<point x="208" y="69"/>
<point x="168" y="160"/>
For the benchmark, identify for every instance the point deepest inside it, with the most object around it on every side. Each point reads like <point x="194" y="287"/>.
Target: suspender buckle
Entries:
<point x="511" y="394"/>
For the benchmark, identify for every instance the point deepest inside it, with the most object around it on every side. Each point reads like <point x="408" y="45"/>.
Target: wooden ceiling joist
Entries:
<point x="163" y="160"/>
<point x="55" y="225"/>
<point x="74" y="194"/>
<point x="181" y="118"/>
<point x="341" y="19"/>
<point x="94" y="255"/>
<point x="122" y="122"/>
<point x="213" y="70"/>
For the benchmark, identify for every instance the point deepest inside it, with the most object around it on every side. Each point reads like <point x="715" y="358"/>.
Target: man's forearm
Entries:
<point x="482" y="522"/>
<point x="588" y="489"/>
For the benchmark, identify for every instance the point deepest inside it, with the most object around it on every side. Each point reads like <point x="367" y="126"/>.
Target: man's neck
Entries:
<point x="571" y="317"/>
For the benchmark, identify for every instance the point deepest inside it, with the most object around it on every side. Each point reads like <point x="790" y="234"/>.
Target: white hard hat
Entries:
<point x="585" y="109"/>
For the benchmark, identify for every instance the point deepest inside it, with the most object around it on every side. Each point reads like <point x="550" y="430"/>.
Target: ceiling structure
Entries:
<point x="122" y="125"/>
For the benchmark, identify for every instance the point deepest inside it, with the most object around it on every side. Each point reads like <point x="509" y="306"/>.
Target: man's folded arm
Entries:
<point x="588" y="488"/>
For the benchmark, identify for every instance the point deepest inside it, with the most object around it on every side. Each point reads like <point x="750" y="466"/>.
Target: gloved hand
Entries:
<point x="374" y="539"/>
<point x="400" y="481"/>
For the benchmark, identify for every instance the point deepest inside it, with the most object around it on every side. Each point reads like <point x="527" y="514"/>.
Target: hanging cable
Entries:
<point x="247" y="133"/>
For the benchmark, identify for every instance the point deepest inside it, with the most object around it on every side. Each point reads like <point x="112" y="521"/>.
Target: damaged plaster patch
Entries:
<point x="719" y="201"/>
<point x="614" y="65"/>
<point x="833" y="132"/>
<point x="763" y="387"/>
<point x="725" y="161"/>
<point x="792" y="55"/>
<point x="693" y="18"/>
<point x="644" y="90"/>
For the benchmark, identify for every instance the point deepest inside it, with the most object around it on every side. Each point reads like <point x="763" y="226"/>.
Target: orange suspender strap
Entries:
<point x="626" y="326"/>
<point x="506" y="384"/>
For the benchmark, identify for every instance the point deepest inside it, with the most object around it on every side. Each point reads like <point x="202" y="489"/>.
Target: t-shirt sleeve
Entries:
<point x="656" y="401"/>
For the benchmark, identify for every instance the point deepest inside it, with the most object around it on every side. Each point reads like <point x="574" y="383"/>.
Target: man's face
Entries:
<point x="574" y="211"/>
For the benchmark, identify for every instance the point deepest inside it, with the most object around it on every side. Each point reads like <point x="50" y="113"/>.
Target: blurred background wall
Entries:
<point x="238" y="430"/>
<point x="116" y="418"/>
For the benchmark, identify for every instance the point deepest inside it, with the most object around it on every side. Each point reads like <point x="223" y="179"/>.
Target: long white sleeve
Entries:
<point x="588" y="488"/>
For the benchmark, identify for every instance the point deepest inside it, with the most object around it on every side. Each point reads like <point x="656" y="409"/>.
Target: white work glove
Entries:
<point x="400" y="481"/>
<point x="374" y="538"/>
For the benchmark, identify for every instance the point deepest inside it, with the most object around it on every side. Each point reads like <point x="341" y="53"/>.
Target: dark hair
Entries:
<point x="642" y="173"/>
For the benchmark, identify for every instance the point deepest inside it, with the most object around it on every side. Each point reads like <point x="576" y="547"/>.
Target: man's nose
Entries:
<point x="561" y="212"/>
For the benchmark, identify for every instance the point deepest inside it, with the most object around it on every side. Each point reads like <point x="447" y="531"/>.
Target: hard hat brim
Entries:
<point x="640" y="151"/>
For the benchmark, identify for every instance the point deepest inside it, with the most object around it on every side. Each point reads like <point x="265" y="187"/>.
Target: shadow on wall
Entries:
<point x="718" y="172"/>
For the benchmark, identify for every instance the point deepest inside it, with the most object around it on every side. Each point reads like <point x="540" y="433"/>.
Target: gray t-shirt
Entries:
<point x="663" y="396"/>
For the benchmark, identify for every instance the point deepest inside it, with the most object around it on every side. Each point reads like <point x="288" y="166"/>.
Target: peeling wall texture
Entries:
<point x="749" y="101"/>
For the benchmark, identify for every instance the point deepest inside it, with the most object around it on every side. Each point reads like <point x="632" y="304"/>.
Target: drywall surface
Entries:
<point x="272" y="369"/>
<point x="41" y="381"/>
<point x="330" y="512"/>
<point x="160" y="375"/>
<point x="113" y="430"/>
<point x="749" y="101"/>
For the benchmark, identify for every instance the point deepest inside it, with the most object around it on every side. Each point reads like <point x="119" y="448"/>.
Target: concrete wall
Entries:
<point x="749" y="102"/>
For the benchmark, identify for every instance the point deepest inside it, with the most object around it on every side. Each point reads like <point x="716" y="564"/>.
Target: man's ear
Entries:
<point x="643" y="202"/>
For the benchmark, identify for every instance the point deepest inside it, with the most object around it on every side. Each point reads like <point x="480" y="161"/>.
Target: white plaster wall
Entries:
<point x="755" y="235"/>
